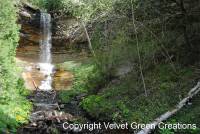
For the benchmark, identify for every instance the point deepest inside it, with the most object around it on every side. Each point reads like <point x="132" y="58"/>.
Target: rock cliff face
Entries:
<point x="29" y="19"/>
<point x="67" y="32"/>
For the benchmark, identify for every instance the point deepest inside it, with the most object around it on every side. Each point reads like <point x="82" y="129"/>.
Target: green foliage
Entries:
<point x="126" y="100"/>
<point x="83" y="9"/>
<point x="98" y="107"/>
<point x="8" y="42"/>
<point x="14" y="108"/>
<point x="38" y="3"/>
<point x="166" y="131"/>
<point x="114" y="53"/>
<point x="114" y="45"/>
<point x="86" y="79"/>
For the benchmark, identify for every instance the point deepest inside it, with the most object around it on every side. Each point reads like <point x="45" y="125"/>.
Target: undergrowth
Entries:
<point x="86" y="80"/>
<point x="126" y="100"/>
<point x="14" y="107"/>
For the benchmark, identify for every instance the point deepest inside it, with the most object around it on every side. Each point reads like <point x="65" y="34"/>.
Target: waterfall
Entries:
<point x="45" y="64"/>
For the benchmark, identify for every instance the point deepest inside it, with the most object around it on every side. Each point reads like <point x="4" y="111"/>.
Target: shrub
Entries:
<point x="14" y="108"/>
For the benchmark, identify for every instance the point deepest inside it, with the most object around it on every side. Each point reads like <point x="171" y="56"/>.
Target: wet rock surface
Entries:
<point x="62" y="80"/>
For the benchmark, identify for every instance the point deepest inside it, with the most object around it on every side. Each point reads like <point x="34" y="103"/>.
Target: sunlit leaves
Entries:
<point x="11" y="92"/>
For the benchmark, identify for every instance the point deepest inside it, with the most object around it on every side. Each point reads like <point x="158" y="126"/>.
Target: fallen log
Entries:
<point x="194" y="91"/>
<point x="47" y="106"/>
<point x="50" y="115"/>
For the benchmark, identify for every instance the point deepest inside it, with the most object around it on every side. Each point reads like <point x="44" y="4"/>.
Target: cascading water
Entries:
<point x="45" y="54"/>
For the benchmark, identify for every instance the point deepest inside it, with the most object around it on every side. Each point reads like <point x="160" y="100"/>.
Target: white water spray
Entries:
<point x="45" y="54"/>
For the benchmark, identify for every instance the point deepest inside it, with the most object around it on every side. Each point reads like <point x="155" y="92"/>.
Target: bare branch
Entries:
<point x="138" y="49"/>
<point x="88" y="38"/>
